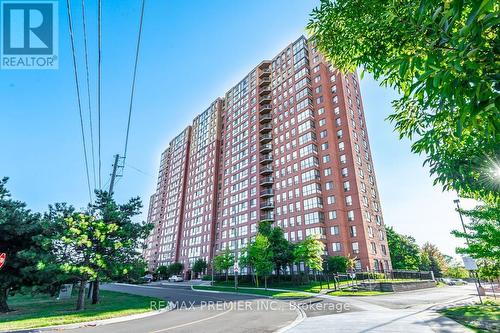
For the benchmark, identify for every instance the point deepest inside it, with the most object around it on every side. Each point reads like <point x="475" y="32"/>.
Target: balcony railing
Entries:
<point x="264" y="81"/>
<point x="267" y="217"/>
<point x="266" y="118"/>
<point x="266" y="193"/>
<point x="265" y="138"/>
<point x="266" y="170"/>
<point x="267" y="181"/>
<point x="266" y="90"/>
<point x="266" y="148"/>
<point x="266" y="158"/>
<point x="265" y="99"/>
<point x="265" y="72"/>
<point x="266" y="128"/>
<point x="267" y="204"/>
<point x="265" y="108"/>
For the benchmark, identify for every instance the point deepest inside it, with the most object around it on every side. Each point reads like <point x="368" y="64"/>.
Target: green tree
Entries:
<point x="19" y="232"/>
<point x="281" y="248"/>
<point x="336" y="264"/>
<point x="456" y="272"/>
<point x="175" y="268"/>
<point x="436" y="259"/>
<point x="260" y="256"/>
<point x="442" y="57"/>
<point x="483" y="233"/>
<point x="310" y="251"/>
<point x="199" y="266"/>
<point x="489" y="269"/>
<point x="224" y="261"/>
<point x="74" y="249"/>
<point x="405" y="253"/>
<point x="121" y="249"/>
<point x="163" y="272"/>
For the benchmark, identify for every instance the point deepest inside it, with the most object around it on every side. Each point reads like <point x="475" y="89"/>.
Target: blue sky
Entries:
<point x="192" y="52"/>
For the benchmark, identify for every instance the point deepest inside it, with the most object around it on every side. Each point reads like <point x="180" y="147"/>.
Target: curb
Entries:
<point x="95" y="323"/>
<point x="228" y="292"/>
<point x="301" y="315"/>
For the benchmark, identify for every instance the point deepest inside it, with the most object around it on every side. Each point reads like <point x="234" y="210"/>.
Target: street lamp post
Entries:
<point x="477" y="282"/>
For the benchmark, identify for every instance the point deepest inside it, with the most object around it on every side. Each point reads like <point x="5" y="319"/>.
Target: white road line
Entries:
<point x="193" y="322"/>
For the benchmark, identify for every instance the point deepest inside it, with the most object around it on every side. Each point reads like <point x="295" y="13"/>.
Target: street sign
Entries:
<point x="469" y="263"/>
<point x="3" y="257"/>
<point x="65" y="291"/>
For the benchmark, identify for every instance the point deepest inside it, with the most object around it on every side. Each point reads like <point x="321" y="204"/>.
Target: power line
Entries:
<point x="78" y="96"/>
<point x="134" y="77"/>
<point x="88" y="92"/>
<point x="99" y="85"/>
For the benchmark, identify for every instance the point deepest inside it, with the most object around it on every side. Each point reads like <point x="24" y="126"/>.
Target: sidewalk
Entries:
<point x="375" y="318"/>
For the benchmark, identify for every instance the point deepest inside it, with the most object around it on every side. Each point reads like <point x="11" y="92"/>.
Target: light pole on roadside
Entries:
<point x="477" y="282"/>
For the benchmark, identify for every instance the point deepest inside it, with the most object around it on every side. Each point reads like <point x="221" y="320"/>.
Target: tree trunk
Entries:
<point x="265" y="282"/>
<point x="95" y="292"/>
<point x="80" y="303"/>
<point x="4" y="307"/>
<point x="227" y="275"/>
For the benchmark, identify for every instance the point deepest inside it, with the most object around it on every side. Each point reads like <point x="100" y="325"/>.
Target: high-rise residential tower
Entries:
<point x="287" y="144"/>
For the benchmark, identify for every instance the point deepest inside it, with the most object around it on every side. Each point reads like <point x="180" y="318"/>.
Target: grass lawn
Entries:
<point x="42" y="310"/>
<point x="351" y="292"/>
<point x="311" y="287"/>
<point x="260" y="291"/>
<point x="481" y="318"/>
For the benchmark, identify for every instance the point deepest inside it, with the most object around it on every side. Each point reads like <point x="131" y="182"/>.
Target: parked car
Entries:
<point x="147" y="278"/>
<point x="175" y="278"/>
<point x="458" y="282"/>
<point x="449" y="282"/>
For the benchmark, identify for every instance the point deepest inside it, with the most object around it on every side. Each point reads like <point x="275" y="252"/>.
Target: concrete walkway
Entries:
<point x="409" y="312"/>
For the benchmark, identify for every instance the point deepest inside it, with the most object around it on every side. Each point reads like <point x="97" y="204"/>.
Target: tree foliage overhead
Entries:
<point x="483" y="233"/>
<point x="443" y="58"/>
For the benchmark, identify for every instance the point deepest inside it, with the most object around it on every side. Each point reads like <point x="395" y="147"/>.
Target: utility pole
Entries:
<point x="116" y="168"/>
<point x="477" y="282"/>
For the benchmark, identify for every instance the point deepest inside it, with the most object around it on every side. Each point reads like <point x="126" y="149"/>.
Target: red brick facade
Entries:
<point x="287" y="144"/>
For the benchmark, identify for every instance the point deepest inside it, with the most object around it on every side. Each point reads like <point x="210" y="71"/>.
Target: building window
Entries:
<point x="353" y="231"/>
<point x="350" y="215"/>
<point x="334" y="230"/>
<point x="336" y="247"/>
<point x="348" y="200"/>
<point x="355" y="247"/>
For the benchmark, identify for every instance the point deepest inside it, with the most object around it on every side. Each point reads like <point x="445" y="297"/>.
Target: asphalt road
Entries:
<point x="202" y="312"/>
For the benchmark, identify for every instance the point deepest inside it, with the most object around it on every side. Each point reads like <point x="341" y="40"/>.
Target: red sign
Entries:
<point x="2" y="259"/>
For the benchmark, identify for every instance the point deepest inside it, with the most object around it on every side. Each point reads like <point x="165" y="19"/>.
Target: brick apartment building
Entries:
<point x="288" y="144"/>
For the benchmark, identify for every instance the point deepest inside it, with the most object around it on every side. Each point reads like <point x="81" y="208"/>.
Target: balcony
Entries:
<point x="266" y="148"/>
<point x="266" y="158"/>
<point x="267" y="204"/>
<point x="266" y="170"/>
<point x="266" y="193"/>
<point x="266" y="108"/>
<point x="265" y="73"/>
<point x="266" y="128"/>
<point x="267" y="216"/>
<point x="264" y="81"/>
<point x="265" y="138"/>
<point x="266" y="181"/>
<point x="265" y="99"/>
<point x="265" y="118"/>
<point x="266" y="90"/>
